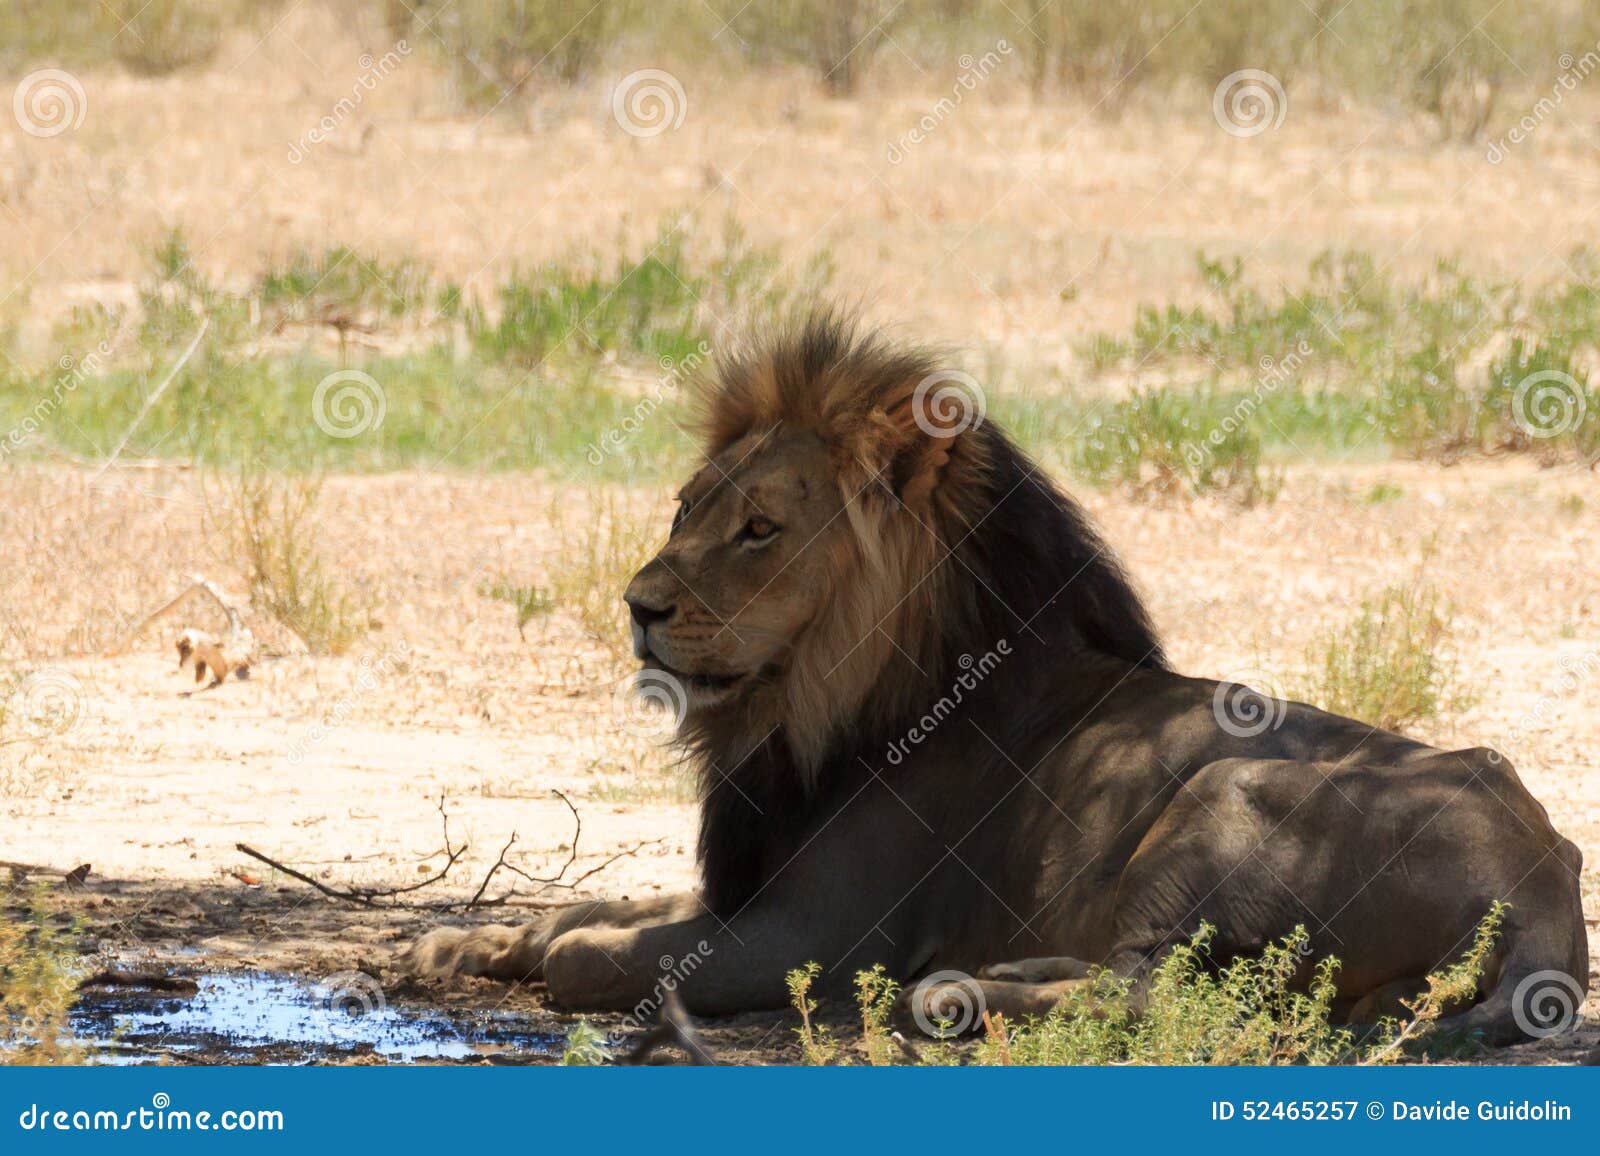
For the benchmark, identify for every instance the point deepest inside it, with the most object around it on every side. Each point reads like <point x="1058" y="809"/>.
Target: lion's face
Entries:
<point x="745" y="569"/>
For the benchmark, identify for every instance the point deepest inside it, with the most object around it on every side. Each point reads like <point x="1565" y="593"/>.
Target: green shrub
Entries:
<point x="496" y="48"/>
<point x="1273" y="1008"/>
<point x="835" y="38"/>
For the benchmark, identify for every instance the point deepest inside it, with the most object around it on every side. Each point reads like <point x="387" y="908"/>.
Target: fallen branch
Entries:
<point x="385" y="897"/>
<point x="22" y="870"/>
<point x="368" y="896"/>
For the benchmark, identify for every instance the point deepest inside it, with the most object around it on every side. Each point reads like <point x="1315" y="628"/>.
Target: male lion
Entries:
<point x="935" y="729"/>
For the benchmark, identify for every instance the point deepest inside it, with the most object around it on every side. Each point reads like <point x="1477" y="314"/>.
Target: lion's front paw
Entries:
<point x="515" y="954"/>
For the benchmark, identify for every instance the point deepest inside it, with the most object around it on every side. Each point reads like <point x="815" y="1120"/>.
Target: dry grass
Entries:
<point x="274" y="522"/>
<point x="1394" y="665"/>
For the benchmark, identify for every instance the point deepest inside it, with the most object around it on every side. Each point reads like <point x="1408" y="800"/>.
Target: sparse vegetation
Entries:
<point x="529" y="602"/>
<point x="274" y="525"/>
<point x="1392" y="666"/>
<point x="495" y="49"/>
<point x="37" y="987"/>
<point x="1197" y="1010"/>
<point x="604" y="551"/>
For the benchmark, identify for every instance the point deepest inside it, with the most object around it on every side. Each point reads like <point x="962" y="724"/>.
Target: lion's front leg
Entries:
<point x="517" y="954"/>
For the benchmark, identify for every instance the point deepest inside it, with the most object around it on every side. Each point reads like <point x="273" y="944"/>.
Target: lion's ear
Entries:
<point x="918" y="468"/>
<point x="925" y="424"/>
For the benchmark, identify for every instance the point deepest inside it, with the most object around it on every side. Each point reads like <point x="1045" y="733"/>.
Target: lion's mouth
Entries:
<point x="704" y="689"/>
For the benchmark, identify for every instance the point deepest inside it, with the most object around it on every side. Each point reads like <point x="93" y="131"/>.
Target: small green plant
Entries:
<point x="817" y="1044"/>
<point x="530" y="602"/>
<point x="275" y="530"/>
<point x="1392" y="665"/>
<point x="585" y="1048"/>
<point x="37" y="989"/>
<point x="875" y="996"/>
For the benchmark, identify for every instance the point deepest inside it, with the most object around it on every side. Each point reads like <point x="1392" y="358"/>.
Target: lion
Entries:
<point x="935" y="729"/>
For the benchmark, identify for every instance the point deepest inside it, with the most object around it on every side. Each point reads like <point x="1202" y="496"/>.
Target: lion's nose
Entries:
<point x="645" y="611"/>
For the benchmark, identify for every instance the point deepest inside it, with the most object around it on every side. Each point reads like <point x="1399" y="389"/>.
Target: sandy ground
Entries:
<point x="336" y="766"/>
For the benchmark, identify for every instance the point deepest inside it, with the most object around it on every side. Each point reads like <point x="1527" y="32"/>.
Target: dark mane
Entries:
<point x="997" y="554"/>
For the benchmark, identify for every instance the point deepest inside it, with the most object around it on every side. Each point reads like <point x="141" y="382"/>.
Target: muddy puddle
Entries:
<point x="262" y="1017"/>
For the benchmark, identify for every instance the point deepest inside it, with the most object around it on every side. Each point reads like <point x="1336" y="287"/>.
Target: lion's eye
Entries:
<point x="758" y="530"/>
<point x="682" y="513"/>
